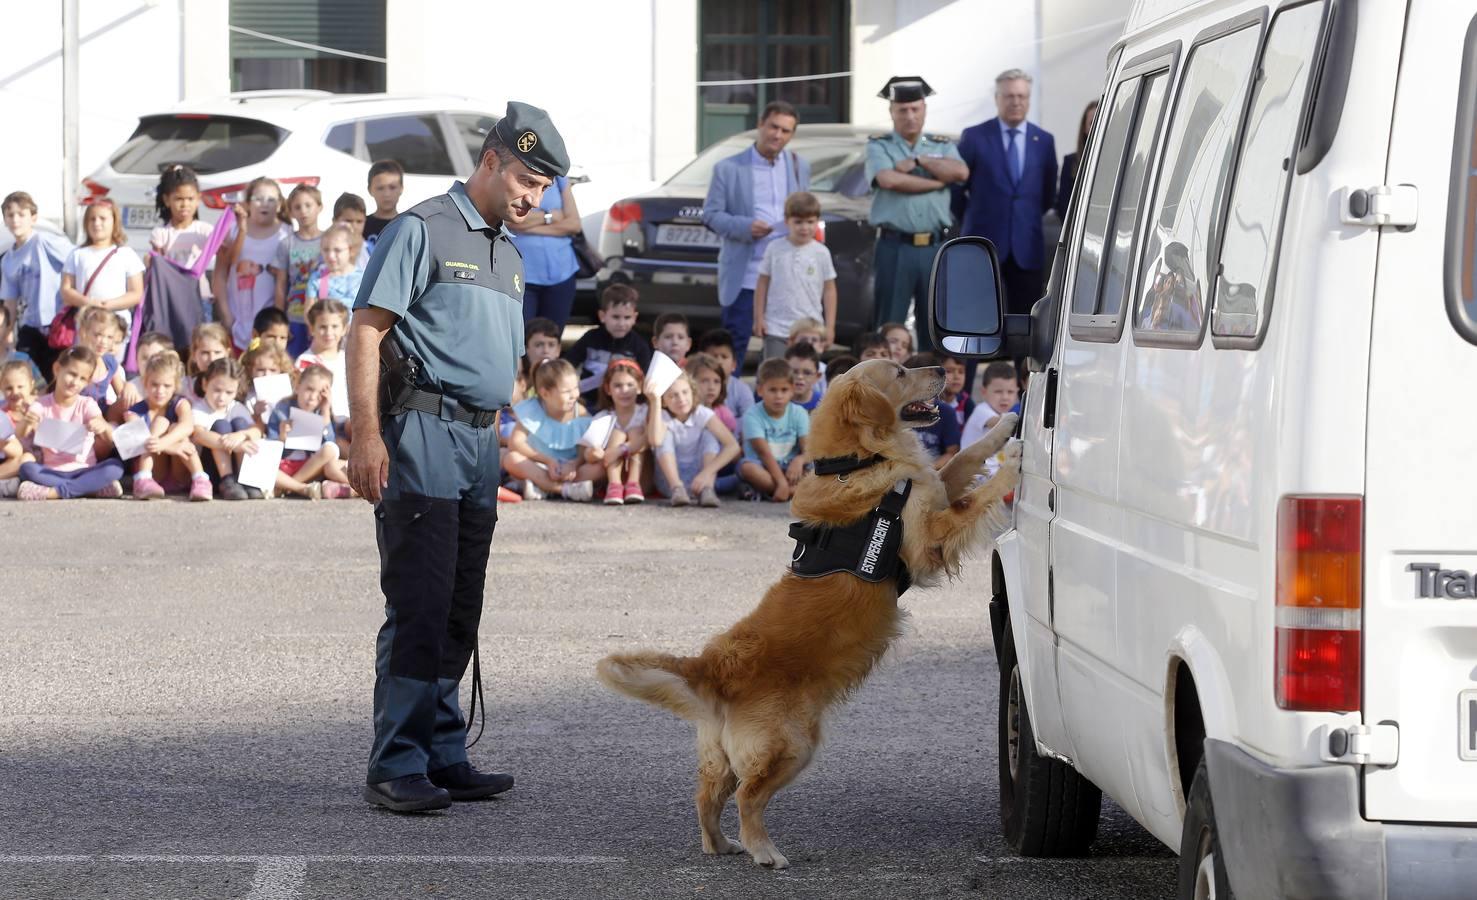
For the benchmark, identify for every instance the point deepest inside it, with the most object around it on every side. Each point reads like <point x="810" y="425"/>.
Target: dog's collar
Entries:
<point x="842" y="465"/>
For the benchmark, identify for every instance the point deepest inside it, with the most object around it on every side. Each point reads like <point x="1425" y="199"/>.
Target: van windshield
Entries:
<point x="205" y="143"/>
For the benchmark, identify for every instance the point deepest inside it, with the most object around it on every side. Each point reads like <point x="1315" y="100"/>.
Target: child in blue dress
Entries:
<point x="543" y="450"/>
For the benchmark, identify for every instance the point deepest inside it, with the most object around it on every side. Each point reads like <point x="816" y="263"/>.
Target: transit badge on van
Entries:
<point x="1433" y="581"/>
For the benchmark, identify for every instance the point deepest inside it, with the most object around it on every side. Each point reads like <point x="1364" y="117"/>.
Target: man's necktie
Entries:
<point x="1014" y="152"/>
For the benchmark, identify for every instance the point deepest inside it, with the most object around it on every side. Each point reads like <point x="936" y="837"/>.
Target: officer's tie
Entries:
<point x="1013" y="152"/>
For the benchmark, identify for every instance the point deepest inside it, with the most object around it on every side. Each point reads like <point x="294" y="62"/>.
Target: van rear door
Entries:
<point x="1420" y="551"/>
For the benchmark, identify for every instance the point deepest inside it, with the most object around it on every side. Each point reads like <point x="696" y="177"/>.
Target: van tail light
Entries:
<point x="622" y="214"/>
<point x="92" y="192"/>
<point x="223" y="197"/>
<point x="1320" y="555"/>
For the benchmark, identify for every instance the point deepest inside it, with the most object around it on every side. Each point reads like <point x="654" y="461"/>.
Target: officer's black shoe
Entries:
<point x="466" y="783"/>
<point x="410" y="793"/>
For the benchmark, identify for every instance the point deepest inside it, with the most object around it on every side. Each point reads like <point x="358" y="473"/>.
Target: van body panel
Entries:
<point x="1420" y="652"/>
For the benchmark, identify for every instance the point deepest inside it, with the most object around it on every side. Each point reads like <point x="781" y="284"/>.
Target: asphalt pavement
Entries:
<point x="185" y="713"/>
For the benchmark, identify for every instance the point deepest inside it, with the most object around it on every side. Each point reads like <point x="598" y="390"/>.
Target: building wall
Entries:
<point x="1077" y="35"/>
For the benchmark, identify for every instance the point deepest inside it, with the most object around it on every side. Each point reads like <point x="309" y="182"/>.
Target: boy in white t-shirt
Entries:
<point x="796" y="278"/>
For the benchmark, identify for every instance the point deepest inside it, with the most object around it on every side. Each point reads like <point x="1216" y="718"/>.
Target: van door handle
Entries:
<point x="1048" y="407"/>
<point x="1051" y="500"/>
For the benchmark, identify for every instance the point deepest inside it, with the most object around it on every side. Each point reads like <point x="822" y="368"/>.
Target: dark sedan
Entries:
<point x="657" y="240"/>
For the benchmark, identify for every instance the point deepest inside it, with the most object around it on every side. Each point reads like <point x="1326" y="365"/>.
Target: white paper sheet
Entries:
<point x="130" y="438"/>
<point x="599" y="432"/>
<point x="63" y="437"/>
<point x="272" y="388"/>
<point x="306" y="432"/>
<point x="663" y="372"/>
<point x="259" y="469"/>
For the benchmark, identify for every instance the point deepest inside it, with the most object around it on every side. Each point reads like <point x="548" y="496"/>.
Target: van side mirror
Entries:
<point x="966" y="310"/>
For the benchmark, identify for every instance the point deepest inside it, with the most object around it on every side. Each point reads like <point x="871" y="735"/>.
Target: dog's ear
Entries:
<point x="866" y="407"/>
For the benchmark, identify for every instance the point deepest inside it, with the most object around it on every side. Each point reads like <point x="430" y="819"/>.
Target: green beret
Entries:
<point x="527" y="131"/>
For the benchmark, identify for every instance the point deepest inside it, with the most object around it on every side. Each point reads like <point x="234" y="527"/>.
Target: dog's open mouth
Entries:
<point x="925" y="412"/>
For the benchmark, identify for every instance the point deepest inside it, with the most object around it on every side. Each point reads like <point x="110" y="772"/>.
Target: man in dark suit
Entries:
<point x="1012" y="182"/>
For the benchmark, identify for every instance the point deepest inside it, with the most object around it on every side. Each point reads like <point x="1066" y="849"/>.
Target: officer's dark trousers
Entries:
<point x="901" y="273"/>
<point x="434" y="527"/>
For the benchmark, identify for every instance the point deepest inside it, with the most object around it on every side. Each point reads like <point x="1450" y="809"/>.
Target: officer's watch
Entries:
<point x="548" y="218"/>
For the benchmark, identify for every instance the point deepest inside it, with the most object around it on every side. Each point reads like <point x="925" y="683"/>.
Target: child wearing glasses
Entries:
<point x="246" y="266"/>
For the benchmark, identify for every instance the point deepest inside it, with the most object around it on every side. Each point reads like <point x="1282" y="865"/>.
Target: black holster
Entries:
<point x="400" y="376"/>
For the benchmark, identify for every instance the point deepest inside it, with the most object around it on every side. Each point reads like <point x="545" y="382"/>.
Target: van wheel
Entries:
<point x="1202" y="866"/>
<point x="1046" y="807"/>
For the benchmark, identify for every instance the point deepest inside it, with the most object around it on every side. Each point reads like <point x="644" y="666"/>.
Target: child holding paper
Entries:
<point x="171" y="423"/>
<point x="301" y="469"/>
<point x="71" y="469"/>
<point x="266" y="361"/>
<point x="543" y="450"/>
<point x="327" y="321"/>
<point x="691" y="444"/>
<point x="620" y="401"/>
<point x="18" y="389"/>
<point x="224" y="430"/>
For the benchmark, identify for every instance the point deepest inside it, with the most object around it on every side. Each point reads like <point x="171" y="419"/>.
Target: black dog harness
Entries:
<point x="867" y="548"/>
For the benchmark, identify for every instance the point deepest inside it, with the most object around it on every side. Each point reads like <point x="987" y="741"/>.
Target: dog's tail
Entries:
<point x="660" y="679"/>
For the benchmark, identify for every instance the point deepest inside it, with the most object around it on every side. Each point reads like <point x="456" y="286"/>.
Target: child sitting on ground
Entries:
<point x="899" y="341"/>
<point x="149" y="343"/>
<point x="8" y="352"/>
<point x="543" y="450"/>
<point x="268" y="359"/>
<point x="316" y="474"/>
<point x="718" y="343"/>
<point x="872" y="345"/>
<point x="18" y="391"/>
<point x="774" y="434"/>
<point x="813" y="333"/>
<point x="954" y="396"/>
<point x="11" y="458"/>
<point x="804" y="372"/>
<point x="620" y="399"/>
<point x="998" y="391"/>
<point x="224" y="430"/>
<point x="691" y="445"/>
<point x="169" y="458"/>
<point x="711" y="384"/>
<point x="941" y="439"/>
<point x="64" y="475"/>
<point x="796" y="278"/>
<point x="328" y="319"/>
<point x="100" y="331"/>
<point x="840" y="365"/>
<point x="670" y="335"/>
<point x="209" y="342"/>
<point x="270" y="327"/>
<point x="540" y="342"/>
<point x="615" y="337"/>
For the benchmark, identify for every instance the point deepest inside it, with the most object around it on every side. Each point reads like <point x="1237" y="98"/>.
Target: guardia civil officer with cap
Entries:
<point x="440" y="307"/>
<point x="910" y="173"/>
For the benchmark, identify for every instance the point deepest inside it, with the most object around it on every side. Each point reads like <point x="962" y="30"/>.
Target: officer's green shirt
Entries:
<point x="456" y="285"/>
<point x="908" y="212"/>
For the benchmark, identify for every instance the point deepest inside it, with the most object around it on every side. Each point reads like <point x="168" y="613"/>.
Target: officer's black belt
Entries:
<point x="868" y="548"/>
<point x="432" y="402"/>
<point x="913" y="238"/>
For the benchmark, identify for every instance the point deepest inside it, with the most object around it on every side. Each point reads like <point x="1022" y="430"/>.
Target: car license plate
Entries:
<point x="1467" y="717"/>
<point x="140" y="217"/>
<point x="685" y="236"/>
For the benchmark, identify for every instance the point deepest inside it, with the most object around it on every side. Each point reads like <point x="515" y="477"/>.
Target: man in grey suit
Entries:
<point x="746" y="207"/>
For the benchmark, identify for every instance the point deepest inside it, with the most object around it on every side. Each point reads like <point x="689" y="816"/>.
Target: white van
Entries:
<point x="1240" y="592"/>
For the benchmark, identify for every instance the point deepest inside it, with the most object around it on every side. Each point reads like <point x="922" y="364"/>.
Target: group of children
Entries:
<point x="709" y="432"/>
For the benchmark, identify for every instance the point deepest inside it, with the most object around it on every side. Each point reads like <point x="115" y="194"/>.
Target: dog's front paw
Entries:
<point x="1006" y="422"/>
<point x="726" y="848"/>
<point x="1012" y="452"/>
<point x="769" y="857"/>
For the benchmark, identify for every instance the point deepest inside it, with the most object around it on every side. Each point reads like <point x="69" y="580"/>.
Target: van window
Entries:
<point x="1131" y="195"/>
<point x="1263" y="172"/>
<point x="1100" y="199"/>
<point x="416" y="142"/>
<point x="1192" y="185"/>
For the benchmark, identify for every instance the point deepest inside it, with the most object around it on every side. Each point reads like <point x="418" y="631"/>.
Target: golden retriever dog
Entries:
<point x="758" y="692"/>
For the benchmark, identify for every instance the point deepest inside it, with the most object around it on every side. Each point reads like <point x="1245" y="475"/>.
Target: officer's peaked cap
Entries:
<point x="905" y="89"/>
<point x="528" y="132"/>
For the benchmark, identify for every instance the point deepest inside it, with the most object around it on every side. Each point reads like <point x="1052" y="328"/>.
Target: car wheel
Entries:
<point x="1046" y="807"/>
<point x="1202" y="866"/>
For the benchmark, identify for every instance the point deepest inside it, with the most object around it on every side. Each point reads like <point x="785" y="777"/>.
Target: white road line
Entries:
<point x="279" y="878"/>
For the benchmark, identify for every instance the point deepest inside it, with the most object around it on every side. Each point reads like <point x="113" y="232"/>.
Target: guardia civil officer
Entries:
<point x="910" y="173"/>
<point x="441" y="306"/>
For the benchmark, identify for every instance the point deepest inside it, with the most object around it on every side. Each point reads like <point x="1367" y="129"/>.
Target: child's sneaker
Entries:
<point x="253" y="493"/>
<point x="200" y="490"/>
<point x="634" y="494"/>
<point x="231" y="489"/>
<point x="531" y="491"/>
<point x="9" y="486"/>
<point x="146" y="488"/>
<point x="578" y="491"/>
<point x="708" y="497"/>
<point x="746" y="492"/>
<point x="30" y="490"/>
<point x="679" y="496"/>
<point x="332" y="490"/>
<point x="113" y="491"/>
<point x="615" y="494"/>
<point x="315" y="490"/>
